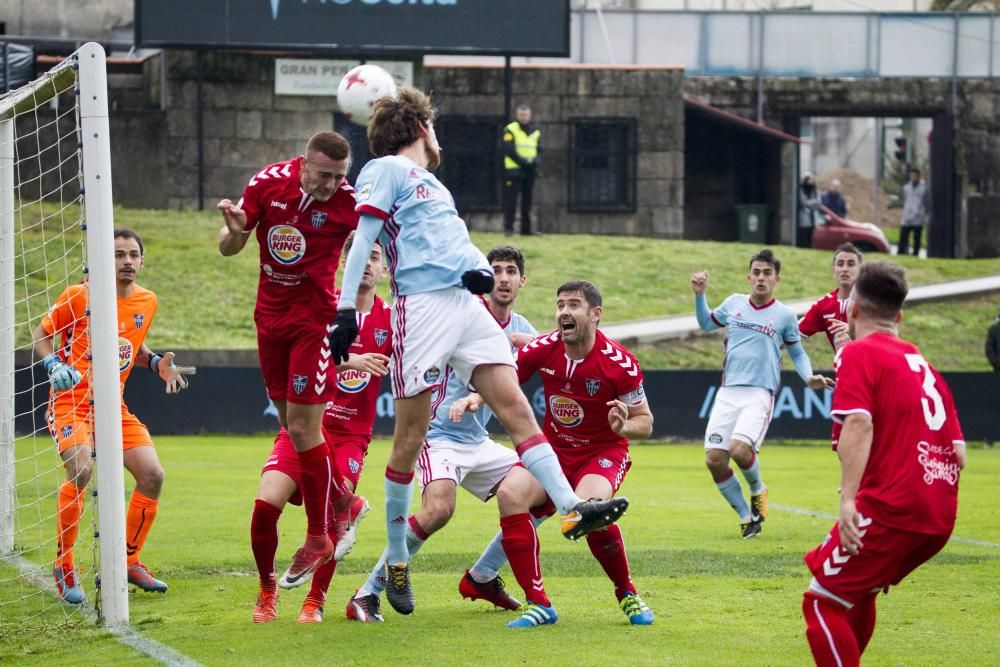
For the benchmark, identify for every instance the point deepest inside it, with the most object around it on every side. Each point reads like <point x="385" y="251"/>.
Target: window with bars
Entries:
<point x="471" y="160"/>
<point x="602" y="165"/>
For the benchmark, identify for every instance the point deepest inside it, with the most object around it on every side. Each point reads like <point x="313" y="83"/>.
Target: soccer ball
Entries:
<point x="359" y="89"/>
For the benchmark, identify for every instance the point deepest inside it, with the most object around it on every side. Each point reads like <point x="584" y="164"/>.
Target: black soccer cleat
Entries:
<point x="591" y="515"/>
<point x="398" y="591"/>
<point x="753" y="527"/>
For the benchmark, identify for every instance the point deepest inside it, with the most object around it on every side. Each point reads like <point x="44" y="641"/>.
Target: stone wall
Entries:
<point x="556" y="94"/>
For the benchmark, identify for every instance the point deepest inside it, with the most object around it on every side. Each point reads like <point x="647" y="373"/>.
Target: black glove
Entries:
<point x="478" y="281"/>
<point x="343" y="331"/>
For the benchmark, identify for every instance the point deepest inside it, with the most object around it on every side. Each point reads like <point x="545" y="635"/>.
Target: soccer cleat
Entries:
<point x="636" y="610"/>
<point x="398" y="591"/>
<point x="347" y="528"/>
<point x="312" y="612"/>
<point x="758" y="503"/>
<point x="266" y="609"/>
<point x="590" y="515"/>
<point x="752" y="528"/>
<point x="491" y="591"/>
<point x="139" y="575"/>
<point x="366" y="609"/>
<point x="304" y="563"/>
<point x="67" y="584"/>
<point x="534" y="614"/>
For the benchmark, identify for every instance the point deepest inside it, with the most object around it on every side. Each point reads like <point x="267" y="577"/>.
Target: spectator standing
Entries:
<point x="834" y="200"/>
<point x="916" y="205"/>
<point x="522" y="148"/>
<point x="809" y="203"/>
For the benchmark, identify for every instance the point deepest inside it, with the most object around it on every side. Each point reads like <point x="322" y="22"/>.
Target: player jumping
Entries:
<point x="758" y="327"/>
<point x="70" y="412"/>
<point x="437" y="320"/>
<point x="901" y="451"/>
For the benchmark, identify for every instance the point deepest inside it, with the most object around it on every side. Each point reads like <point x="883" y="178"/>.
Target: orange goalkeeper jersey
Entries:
<point x="68" y="319"/>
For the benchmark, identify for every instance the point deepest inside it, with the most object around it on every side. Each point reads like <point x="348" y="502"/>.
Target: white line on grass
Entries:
<point x="824" y="515"/>
<point x="125" y="634"/>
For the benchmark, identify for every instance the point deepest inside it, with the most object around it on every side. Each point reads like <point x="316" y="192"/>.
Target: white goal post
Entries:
<point x="85" y="72"/>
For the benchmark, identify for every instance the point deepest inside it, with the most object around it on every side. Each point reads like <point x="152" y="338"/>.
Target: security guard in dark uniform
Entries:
<point x="522" y="147"/>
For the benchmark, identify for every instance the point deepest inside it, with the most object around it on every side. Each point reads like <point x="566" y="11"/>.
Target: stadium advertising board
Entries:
<point x="680" y="402"/>
<point x="514" y="27"/>
<point x="309" y="76"/>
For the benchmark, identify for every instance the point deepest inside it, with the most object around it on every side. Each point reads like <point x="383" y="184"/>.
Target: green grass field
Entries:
<point x="719" y="600"/>
<point x="206" y="300"/>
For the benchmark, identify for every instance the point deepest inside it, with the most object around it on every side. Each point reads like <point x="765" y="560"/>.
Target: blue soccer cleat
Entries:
<point x="67" y="584"/>
<point x="139" y="575"/>
<point x="636" y="610"/>
<point x="534" y="614"/>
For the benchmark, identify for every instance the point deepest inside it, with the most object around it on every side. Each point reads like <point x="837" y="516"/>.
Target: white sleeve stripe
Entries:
<point x="958" y="442"/>
<point x="838" y="415"/>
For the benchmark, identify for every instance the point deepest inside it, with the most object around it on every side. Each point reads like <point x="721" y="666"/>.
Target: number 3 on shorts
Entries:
<point x="933" y="416"/>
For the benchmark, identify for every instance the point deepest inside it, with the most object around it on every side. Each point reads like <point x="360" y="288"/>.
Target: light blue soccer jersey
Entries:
<point x="472" y="429"/>
<point x="754" y="338"/>
<point x="426" y="244"/>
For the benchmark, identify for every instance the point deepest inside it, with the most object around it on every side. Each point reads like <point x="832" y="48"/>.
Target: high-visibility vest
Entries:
<point x="526" y="145"/>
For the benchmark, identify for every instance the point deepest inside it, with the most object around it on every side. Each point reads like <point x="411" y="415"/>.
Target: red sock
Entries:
<point x="264" y="540"/>
<point x="862" y="619"/>
<point x="317" y="472"/>
<point x="609" y="550"/>
<point x="520" y="543"/>
<point x="830" y="635"/>
<point x="322" y="576"/>
<point x="340" y="494"/>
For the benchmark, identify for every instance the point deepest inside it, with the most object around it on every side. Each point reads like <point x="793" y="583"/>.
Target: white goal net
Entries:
<point x="56" y="229"/>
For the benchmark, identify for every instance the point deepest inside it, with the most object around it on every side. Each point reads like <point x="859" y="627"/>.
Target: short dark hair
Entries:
<point x="586" y="288"/>
<point x="330" y="144"/>
<point x="125" y="233"/>
<point x="349" y="241"/>
<point x="395" y="122"/>
<point x="848" y="247"/>
<point x="765" y="255"/>
<point x="915" y="170"/>
<point x="881" y="289"/>
<point x="507" y="253"/>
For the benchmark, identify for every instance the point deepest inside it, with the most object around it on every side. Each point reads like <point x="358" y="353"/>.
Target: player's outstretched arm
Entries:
<point x="630" y="422"/>
<point x="459" y="407"/>
<point x="61" y="376"/>
<point x="853" y="449"/>
<point x="699" y="282"/>
<point x="804" y="368"/>
<point x="345" y="327"/>
<point x="171" y="374"/>
<point x="233" y="235"/>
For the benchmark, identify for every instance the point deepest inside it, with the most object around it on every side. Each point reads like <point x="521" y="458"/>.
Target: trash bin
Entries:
<point x="753" y="221"/>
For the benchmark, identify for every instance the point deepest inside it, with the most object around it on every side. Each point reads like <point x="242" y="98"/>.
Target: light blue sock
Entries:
<point x="397" y="508"/>
<point x="376" y="580"/>
<point x="542" y="462"/>
<point x="752" y="476"/>
<point x="489" y="564"/>
<point x="733" y="493"/>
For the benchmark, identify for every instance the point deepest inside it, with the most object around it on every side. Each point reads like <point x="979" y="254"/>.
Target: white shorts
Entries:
<point x="478" y="469"/>
<point x="743" y="413"/>
<point x="449" y="327"/>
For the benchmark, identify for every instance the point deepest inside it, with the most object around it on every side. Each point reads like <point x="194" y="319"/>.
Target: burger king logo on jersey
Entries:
<point x="566" y="411"/>
<point x="352" y="382"/>
<point x="124" y="354"/>
<point x="287" y="244"/>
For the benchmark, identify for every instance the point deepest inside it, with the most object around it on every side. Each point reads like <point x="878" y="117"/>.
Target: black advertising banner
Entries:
<point x="232" y="400"/>
<point x="514" y="27"/>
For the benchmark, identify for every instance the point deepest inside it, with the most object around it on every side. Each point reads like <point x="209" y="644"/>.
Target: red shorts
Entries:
<point x="349" y="457"/>
<point x="612" y="464"/>
<point x="888" y="555"/>
<point x="295" y="359"/>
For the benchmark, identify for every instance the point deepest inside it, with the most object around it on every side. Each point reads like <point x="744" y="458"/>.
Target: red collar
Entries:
<point x="756" y="307"/>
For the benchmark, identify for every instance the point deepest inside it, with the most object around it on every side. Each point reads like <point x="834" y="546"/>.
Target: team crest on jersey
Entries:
<point x="287" y="244"/>
<point x="715" y="439"/>
<point x="138" y="319"/>
<point x="318" y="218"/>
<point x="354" y="466"/>
<point x="352" y="382"/>
<point x="66" y="431"/>
<point x="124" y="354"/>
<point x="565" y="410"/>
<point x="380" y="336"/>
<point x="593" y="386"/>
<point x="604" y="463"/>
<point x="432" y="374"/>
<point x="299" y="383"/>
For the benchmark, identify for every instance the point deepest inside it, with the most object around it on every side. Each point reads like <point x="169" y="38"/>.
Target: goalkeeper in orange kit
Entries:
<point x="70" y="411"/>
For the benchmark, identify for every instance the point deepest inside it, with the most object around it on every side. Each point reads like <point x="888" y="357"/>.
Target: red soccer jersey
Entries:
<point x="300" y="240"/>
<point x="577" y="391"/>
<point x="352" y="410"/>
<point x="911" y="479"/>
<point x="817" y="318"/>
